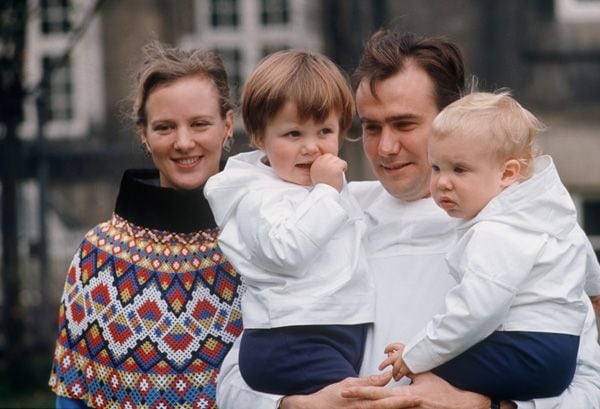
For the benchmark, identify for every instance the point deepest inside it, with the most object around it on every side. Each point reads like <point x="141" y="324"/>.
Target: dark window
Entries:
<point x="60" y="87"/>
<point x="224" y="13"/>
<point x="55" y="16"/>
<point x="274" y="12"/>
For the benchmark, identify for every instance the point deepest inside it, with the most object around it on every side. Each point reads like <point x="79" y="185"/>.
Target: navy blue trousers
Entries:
<point x="515" y="365"/>
<point x="300" y="359"/>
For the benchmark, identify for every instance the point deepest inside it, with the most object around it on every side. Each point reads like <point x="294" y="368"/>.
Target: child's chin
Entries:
<point x="455" y="214"/>
<point x="300" y="182"/>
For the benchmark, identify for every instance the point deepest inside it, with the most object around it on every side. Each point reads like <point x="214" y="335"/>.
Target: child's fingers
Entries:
<point x="393" y="347"/>
<point x="330" y="163"/>
<point x="396" y="370"/>
<point x="338" y="163"/>
<point x="396" y="375"/>
<point x="400" y="369"/>
<point x="387" y="362"/>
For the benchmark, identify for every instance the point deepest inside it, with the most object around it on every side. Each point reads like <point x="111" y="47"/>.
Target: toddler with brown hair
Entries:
<point x="293" y="231"/>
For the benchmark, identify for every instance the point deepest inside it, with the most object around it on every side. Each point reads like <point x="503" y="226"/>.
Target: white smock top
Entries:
<point x="299" y="248"/>
<point x="522" y="264"/>
<point x="406" y="246"/>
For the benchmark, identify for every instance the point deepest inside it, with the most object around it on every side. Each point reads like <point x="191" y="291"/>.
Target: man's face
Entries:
<point x="395" y="128"/>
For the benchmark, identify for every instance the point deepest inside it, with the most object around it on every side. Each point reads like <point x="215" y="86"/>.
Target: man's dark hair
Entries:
<point x="387" y="52"/>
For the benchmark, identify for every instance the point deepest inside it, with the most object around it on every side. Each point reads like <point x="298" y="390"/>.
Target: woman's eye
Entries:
<point x="162" y="127"/>
<point x="200" y="124"/>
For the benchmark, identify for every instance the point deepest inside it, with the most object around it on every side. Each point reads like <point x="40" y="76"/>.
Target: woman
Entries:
<point x="151" y="306"/>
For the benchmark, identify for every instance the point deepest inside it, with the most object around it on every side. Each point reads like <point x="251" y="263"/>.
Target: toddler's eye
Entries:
<point x="435" y="168"/>
<point x="325" y="131"/>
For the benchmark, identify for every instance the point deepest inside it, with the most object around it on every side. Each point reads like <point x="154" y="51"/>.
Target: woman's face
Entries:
<point x="185" y="132"/>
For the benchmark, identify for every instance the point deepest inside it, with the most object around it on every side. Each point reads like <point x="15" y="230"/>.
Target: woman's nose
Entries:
<point x="183" y="139"/>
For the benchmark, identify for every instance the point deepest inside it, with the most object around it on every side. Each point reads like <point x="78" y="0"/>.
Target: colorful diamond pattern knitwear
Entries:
<point x="146" y="318"/>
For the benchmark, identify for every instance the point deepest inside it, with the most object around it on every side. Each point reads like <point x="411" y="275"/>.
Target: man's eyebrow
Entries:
<point x="402" y="118"/>
<point x="393" y="118"/>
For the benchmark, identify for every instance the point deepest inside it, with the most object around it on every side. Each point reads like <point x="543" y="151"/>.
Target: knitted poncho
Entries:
<point x="150" y="305"/>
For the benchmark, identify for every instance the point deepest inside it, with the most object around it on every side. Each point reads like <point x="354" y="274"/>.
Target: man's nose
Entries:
<point x="388" y="143"/>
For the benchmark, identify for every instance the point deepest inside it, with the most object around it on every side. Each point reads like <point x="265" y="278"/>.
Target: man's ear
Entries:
<point x="511" y="173"/>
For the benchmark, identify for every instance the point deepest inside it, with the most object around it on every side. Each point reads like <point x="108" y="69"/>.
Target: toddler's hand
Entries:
<point x="328" y="169"/>
<point x="394" y="353"/>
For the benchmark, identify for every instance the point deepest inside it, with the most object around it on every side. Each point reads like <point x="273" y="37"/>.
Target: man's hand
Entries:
<point x="330" y="397"/>
<point x="427" y="391"/>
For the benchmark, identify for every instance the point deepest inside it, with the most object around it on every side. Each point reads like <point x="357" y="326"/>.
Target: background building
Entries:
<point x="60" y="178"/>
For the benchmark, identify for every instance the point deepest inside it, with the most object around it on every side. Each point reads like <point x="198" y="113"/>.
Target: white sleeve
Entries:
<point x="584" y="391"/>
<point x="475" y="307"/>
<point x="232" y="391"/>
<point x="284" y="236"/>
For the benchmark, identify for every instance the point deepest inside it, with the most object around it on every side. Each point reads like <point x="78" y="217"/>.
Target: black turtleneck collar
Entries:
<point x="142" y="202"/>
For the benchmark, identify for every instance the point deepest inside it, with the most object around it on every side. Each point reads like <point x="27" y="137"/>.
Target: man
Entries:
<point x="402" y="83"/>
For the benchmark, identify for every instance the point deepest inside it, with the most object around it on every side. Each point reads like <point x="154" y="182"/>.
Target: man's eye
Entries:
<point x="371" y="128"/>
<point x="405" y="126"/>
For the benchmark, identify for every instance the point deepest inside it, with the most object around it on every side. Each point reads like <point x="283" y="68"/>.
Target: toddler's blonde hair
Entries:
<point x="497" y="120"/>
